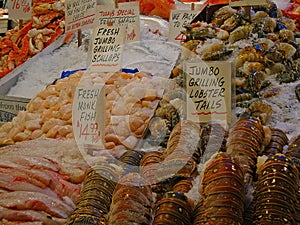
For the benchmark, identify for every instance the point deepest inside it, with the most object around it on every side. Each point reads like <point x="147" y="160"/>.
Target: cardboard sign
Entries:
<point x="126" y="15"/>
<point x="88" y="107"/>
<point x="178" y="19"/>
<point x="208" y="91"/>
<point x="107" y="47"/>
<point x="246" y="2"/>
<point x="80" y="14"/>
<point x="20" y="9"/>
<point x="217" y="2"/>
<point x="10" y="106"/>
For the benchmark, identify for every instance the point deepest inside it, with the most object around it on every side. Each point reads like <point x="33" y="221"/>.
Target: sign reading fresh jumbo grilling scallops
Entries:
<point x="107" y="48"/>
<point x="208" y="91"/>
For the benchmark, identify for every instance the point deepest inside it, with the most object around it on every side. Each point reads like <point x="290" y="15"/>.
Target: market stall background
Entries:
<point x="285" y="105"/>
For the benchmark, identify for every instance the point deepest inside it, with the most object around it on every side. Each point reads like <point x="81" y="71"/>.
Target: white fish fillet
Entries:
<point x="35" y="201"/>
<point x="29" y="216"/>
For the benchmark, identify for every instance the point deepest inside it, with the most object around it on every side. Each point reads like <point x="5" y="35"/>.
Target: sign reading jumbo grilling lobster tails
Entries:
<point x="208" y="86"/>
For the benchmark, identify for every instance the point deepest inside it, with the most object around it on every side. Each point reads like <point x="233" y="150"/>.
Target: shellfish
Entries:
<point x="131" y="160"/>
<point x="222" y="14"/>
<point x="213" y="139"/>
<point x="132" y="201"/>
<point x="275" y="191"/>
<point x="222" y="191"/>
<point x="232" y="22"/>
<point x="277" y="142"/>
<point x="261" y="110"/>
<point x="172" y="209"/>
<point x="297" y="92"/>
<point x="244" y="142"/>
<point x="218" y="55"/>
<point x="253" y="82"/>
<point x="148" y="168"/>
<point x="294" y="153"/>
<point x="96" y="196"/>
<point x="286" y="35"/>
<point x="239" y="33"/>
<point x="250" y="54"/>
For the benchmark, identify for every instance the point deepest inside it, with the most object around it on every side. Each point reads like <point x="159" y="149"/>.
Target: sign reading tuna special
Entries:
<point x="126" y="15"/>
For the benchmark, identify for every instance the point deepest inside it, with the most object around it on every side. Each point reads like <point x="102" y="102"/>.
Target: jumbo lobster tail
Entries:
<point x="222" y="193"/>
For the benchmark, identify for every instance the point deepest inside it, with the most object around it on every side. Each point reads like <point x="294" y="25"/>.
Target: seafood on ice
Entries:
<point x="49" y="114"/>
<point x="23" y="42"/>
<point x="40" y="181"/>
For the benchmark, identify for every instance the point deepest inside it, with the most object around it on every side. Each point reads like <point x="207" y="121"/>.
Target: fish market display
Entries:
<point x="156" y="166"/>
<point x="161" y="8"/>
<point x="23" y="42"/>
<point x="244" y="142"/>
<point x="173" y="208"/>
<point x="275" y="192"/>
<point x="40" y="181"/>
<point x="49" y="114"/>
<point x="264" y="50"/>
<point x="96" y="195"/>
<point x="222" y="192"/>
<point x="132" y="201"/>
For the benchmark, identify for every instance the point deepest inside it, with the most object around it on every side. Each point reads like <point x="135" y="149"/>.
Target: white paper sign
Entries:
<point x="178" y="19"/>
<point x="246" y="2"/>
<point x="107" y="47"/>
<point x="80" y="14"/>
<point x="209" y="91"/>
<point x="89" y="103"/>
<point x="20" y="9"/>
<point x="126" y="15"/>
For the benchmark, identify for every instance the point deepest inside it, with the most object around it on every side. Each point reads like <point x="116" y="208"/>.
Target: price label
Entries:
<point x="80" y="14"/>
<point x="107" y="48"/>
<point x="208" y="90"/>
<point x="246" y="2"/>
<point x="126" y="15"/>
<point x="88" y="107"/>
<point x="10" y="107"/>
<point x="178" y="19"/>
<point x="20" y="9"/>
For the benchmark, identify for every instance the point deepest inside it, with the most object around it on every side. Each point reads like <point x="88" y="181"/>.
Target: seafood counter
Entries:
<point x="157" y="167"/>
<point x="21" y="43"/>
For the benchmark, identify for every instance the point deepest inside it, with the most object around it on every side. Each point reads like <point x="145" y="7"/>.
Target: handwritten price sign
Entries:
<point x="89" y="132"/>
<point x="20" y="9"/>
<point x="180" y="18"/>
<point x="246" y="2"/>
<point x="88" y="111"/>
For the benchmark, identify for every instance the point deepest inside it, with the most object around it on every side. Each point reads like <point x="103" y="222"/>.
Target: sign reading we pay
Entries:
<point x="209" y="91"/>
<point x="107" y="48"/>
<point x="178" y="19"/>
